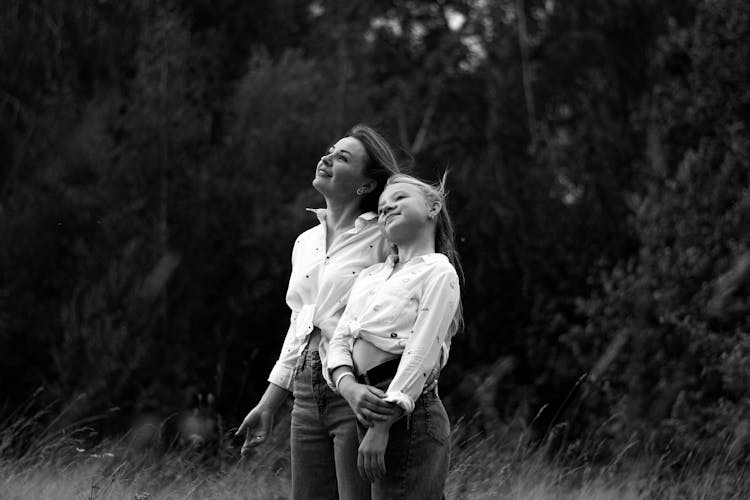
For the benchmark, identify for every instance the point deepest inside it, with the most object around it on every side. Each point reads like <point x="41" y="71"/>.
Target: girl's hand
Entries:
<point x="366" y="402"/>
<point x="371" y="455"/>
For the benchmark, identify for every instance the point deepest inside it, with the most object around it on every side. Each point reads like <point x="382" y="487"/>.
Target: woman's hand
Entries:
<point x="371" y="455"/>
<point x="259" y="422"/>
<point x="367" y="402"/>
<point x="257" y="426"/>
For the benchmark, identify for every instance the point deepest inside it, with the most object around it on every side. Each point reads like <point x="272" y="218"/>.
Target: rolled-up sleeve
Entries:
<point x="282" y="372"/>
<point x="437" y="307"/>
<point x="341" y="344"/>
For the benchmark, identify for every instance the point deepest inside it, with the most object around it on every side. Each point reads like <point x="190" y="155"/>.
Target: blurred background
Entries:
<point x="156" y="161"/>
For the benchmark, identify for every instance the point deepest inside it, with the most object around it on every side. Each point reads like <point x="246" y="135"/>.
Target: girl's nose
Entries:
<point x="326" y="158"/>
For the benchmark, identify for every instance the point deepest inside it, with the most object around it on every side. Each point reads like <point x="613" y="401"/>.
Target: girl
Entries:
<point x="325" y="262"/>
<point x="397" y="325"/>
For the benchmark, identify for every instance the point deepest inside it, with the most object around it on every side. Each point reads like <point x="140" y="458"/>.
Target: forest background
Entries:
<point x="155" y="167"/>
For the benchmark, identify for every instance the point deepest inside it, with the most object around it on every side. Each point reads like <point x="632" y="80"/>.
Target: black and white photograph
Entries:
<point x="374" y="249"/>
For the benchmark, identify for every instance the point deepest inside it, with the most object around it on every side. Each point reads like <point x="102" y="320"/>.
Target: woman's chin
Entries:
<point x="320" y="185"/>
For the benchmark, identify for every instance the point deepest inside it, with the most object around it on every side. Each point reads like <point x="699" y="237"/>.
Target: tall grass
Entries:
<point x="506" y="465"/>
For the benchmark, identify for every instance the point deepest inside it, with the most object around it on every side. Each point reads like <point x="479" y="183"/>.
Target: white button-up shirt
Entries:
<point x="320" y="283"/>
<point x="407" y="313"/>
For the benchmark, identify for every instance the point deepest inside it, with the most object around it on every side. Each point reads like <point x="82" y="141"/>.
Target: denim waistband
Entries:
<point x="314" y="339"/>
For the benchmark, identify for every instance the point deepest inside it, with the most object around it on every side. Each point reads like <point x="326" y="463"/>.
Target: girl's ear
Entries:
<point x="435" y="208"/>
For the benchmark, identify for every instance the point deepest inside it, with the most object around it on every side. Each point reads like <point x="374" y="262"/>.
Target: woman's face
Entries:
<point x="402" y="211"/>
<point x="342" y="170"/>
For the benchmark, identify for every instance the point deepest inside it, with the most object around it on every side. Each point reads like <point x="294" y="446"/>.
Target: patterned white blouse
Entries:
<point x="406" y="313"/>
<point x="320" y="283"/>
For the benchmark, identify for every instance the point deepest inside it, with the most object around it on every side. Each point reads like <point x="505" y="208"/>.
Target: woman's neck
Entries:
<point x="341" y="216"/>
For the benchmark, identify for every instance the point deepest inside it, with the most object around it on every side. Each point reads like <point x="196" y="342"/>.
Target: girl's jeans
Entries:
<point x="323" y="439"/>
<point x="418" y="452"/>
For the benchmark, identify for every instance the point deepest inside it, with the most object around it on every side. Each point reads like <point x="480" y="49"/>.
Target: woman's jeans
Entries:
<point x="418" y="452"/>
<point x="323" y="439"/>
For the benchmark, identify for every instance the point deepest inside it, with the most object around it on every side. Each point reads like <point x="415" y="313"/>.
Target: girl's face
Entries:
<point x="402" y="211"/>
<point x="342" y="170"/>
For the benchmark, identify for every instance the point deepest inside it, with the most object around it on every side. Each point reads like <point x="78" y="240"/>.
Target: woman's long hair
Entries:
<point x="445" y="236"/>
<point x="381" y="162"/>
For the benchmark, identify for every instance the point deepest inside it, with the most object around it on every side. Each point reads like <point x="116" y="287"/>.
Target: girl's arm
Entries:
<point x="371" y="454"/>
<point x="437" y="308"/>
<point x="366" y="401"/>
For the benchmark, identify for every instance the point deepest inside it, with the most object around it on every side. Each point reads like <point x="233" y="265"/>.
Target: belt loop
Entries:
<point x="303" y="359"/>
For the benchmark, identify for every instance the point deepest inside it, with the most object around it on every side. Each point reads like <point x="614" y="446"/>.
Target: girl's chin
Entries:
<point x="399" y="234"/>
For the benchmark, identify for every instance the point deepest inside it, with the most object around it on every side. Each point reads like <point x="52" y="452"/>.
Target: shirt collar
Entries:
<point x="359" y="222"/>
<point x="320" y="213"/>
<point x="432" y="258"/>
<point x="429" y="258"/>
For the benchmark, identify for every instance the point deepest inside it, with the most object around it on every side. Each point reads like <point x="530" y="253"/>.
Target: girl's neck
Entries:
<point x="415" y="248"/>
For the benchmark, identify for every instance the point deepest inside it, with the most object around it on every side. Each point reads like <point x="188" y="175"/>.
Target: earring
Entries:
<point x="360" y="191"/>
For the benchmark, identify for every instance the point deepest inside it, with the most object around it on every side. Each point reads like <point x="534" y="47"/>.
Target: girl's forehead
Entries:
<point x="400" y="187"/>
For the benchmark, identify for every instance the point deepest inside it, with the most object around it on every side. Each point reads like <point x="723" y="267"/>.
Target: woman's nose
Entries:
<point x="326" y="158"/>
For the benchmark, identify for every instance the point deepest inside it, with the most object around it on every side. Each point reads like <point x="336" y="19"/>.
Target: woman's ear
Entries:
<point x="367" y="187"/>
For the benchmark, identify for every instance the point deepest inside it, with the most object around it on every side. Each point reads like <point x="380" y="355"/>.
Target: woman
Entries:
<point x="397" y="325"/>
<point x="326" y="259"/>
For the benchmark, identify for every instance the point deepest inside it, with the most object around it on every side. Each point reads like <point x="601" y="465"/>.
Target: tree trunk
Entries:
<point x="523" y="44"/>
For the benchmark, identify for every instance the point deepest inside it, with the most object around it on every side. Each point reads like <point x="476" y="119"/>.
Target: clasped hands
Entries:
<point x="377" y="415"/>
<point x="367" y="402"/>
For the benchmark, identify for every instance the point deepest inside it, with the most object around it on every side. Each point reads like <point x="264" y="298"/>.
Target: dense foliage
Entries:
<point x="155" y="163"/>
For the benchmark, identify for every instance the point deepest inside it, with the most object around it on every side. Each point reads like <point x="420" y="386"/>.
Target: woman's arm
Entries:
<point x="259" y="421"/>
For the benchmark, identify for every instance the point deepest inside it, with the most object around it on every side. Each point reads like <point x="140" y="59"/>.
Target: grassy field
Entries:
<point x="483" y="468"/>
